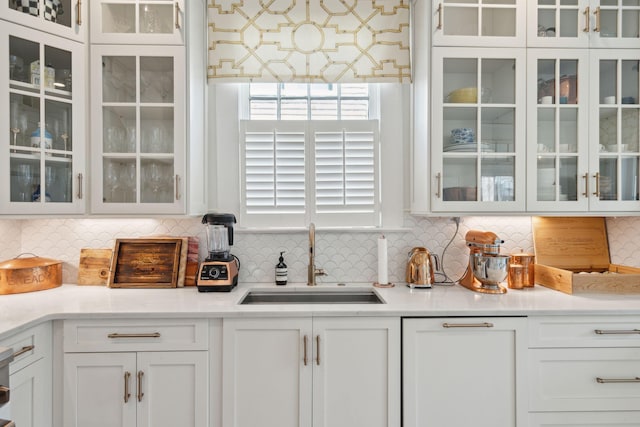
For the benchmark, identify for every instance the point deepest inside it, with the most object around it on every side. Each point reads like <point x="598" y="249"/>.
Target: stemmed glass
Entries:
<point x="49" y="180"/>
<point x="24" y="179"/>
<point x="15" y="122"/>
<point x="154" y="175"/>
<point x="128" y="177"/>
<point x="111" y="178"/>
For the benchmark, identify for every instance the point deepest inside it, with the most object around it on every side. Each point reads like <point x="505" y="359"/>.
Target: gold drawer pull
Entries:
<point x="586" y="19"/>
<point x="618" y="380"/>
<point x="150" y="335"/>
<point x="127" y="395"/>
<point x="177" y="8"/>
<point x="306" y="359"/>
<point x="597" y="14"/>
<point x="439" y="27"/>
<point x="140" y="393"/>
<point x="617" y="331"/>
<point x="468" y="325"/>
<point x="318" y="350"/>
<point x="23" y="350"/>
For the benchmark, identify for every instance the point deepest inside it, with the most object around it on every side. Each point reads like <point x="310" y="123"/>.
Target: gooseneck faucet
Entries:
<point x="312" y="271"/>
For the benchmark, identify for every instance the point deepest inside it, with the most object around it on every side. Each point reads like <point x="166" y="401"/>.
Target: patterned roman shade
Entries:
<point x="313" y="41"/>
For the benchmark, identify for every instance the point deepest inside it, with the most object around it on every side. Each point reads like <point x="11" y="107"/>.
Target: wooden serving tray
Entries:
<point x="146" y="263"/>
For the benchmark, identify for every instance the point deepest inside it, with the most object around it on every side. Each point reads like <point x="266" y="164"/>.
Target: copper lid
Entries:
<point x="33" y="261"/>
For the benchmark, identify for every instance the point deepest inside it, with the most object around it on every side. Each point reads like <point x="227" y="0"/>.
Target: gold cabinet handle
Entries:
<point x="127" y="395"/>
<point x="140" y="393"/>
<point x="177" y="16"/>
<point x="597" y="177"/>
<point x="586" y="185"/>
<point x="116" y="335"/>
<point x="618" y="380"/>
<point x="79" y="12"/>
<point x="177" y="187"/>
<point x="304" y="345"/>
<point x="438" y="184"/>
<point x="439" y="27"/>
<point x="468" y="325"/>
<point x="617" y="331"/>
<point x="80" y="186"/>
<point x="597" y="14"/>
<point x="586" y="13"/>
<point x="318" y="350"/>
<point x="23" y="350"/>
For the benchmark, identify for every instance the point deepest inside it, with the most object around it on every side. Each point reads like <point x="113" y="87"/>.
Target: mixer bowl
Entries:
<point x="489" y="269"/>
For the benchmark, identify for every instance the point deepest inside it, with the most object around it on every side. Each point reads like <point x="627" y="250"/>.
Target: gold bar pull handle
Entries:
<point x="617" y="380"/>
<point x="468" y="325"/>
<point x="586" y="185"/>
<point x="318" y="350"/>
<point x="80" y="186"/>
<point x="79" y="12"/>
<point x="617" y="331"/>
<point x="23" y="350"/>
<point x="586" y="14"/>
<point x="140" y="393"/>
<point x="116" y="335"/>
<point x="304" y="345"/>
<point x="438" y="185"/>
<point x="439" y="27"/>
<point x="597" y="177"/>
<point x="177" y="16"/>
<point x="177" y="187"/>
<point x="597" y="14"/>
<point x="127" y="395"/>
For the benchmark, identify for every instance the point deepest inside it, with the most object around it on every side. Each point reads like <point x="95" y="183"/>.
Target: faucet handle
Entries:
<point x="320" y="272"/>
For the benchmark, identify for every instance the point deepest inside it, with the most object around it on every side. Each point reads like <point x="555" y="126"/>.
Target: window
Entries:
<point x="310" y="153"/>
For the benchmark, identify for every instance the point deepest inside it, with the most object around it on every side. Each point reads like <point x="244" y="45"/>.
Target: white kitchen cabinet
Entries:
<point x="31" y="376"/>
<point x="138" y="129"/>
<point x="583" y="23"/>
<point x="478" y="130"/>
<point x="327" y="372"/>
<point x="42" y="116"/>
<point x="581" y="365"/>
<point x="66" y="18"/>
<point x="136" y="373"/>
<point x="467" y="23"/>
<point x="464" y="371"/>
<point x="158" y="22"/>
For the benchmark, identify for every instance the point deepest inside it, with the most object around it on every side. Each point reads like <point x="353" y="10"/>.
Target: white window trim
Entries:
<point x="224" y="159"/>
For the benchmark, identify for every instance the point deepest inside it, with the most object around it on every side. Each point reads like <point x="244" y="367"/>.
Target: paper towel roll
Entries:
<point x="383" y="276"/>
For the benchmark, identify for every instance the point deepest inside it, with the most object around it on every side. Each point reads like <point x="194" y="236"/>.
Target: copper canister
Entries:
<point x="30" y="274"/>
<point x="523" y="265"/>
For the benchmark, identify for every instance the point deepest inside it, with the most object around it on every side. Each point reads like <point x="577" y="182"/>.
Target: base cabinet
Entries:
<point x="585" y="419"/>
<point x="302" y="372"/>
<point x="464" y="372"/>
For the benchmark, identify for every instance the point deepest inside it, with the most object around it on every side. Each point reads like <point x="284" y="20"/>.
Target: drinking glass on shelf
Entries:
<point x="111" y="179"/>
<point x="128" y="178"/>
<point x="23" y="126"/>
<point x="49" y="181"/>
<point x="24" y="179"/>
<point x="154" y="177"/>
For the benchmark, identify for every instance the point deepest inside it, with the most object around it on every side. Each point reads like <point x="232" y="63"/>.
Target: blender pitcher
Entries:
<point x="218" y="242"/>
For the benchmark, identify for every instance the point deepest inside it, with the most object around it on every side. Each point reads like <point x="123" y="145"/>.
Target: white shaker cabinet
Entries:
<point x="65" y="18"/>
<point x="321" y="372"/>
<point x="464" y="372"/>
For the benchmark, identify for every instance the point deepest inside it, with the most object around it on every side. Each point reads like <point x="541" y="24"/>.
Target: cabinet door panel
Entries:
<point x="94" y="389"/>
<point x="31" y="395"/>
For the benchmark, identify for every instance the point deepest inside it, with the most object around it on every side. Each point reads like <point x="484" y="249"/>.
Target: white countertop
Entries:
<point x="19" y="311"/>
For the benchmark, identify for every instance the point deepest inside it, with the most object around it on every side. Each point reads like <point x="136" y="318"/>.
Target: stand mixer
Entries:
<point x="487" y="268"/>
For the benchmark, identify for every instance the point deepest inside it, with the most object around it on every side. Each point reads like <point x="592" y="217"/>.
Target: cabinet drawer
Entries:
<point x="135" y="335"/>
<point x="585" y="419"/>
<point x="587" y="331"/>
<point x="584" y="379"/>
<point x="29" y="346"/>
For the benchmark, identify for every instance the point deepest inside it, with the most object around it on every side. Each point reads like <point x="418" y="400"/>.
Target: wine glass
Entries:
<point x="15" y="122"/>
<point x="154" y="176"/>
<point x="111" y="179"/>
<point x="23" y="125"/>
<point x="128" y="177"/>
<point x="24" y="179"/>
<point x="49" y="180"/>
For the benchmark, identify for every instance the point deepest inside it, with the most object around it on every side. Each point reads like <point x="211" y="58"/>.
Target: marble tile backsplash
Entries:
<point x="345" y="256"/>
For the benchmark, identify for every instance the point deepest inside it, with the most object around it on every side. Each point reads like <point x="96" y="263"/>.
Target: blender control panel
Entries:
<point x="214" y="272"/>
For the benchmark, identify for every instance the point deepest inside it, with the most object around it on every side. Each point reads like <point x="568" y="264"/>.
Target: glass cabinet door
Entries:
<point x="615" y="124"/>
<point x="615" y="23"/>
<point x="558" y="132"/>
<point x="477" y="148"/>
<point x="66" y="18"/>
<point x="559" y="23"/>
<point x="138" y="22"/>
<point x="45" y="142"/>
<point x="139" y="117"/>
<point x="479" y="23"/>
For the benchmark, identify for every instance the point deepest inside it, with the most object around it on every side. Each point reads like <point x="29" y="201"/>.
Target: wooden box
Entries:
<point x="572" y="256"/>
<point x="146" y="263"/>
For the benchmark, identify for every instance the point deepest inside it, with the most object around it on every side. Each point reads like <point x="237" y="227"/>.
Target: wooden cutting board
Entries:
<point x="94" y="266"/>
<point x="146" y="263"/>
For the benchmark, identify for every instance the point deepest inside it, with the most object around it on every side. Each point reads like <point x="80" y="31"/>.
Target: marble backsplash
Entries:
<point x="346" y="256"/>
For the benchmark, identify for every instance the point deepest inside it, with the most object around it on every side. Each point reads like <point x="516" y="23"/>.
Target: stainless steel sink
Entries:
<point x="364" y="296"/>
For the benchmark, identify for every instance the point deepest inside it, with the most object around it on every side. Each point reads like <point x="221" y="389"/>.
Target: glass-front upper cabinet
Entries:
<point x="137" y="22"/>
<point x="138" y="132"/>
<point x="487" y="23"/>
<point x="66" y="18"/>
<point x="558" y="138"/>
<point x="478" y="131"/>
<point x="584" y="23"/>
<point x="615" y="130"/>
<point x="43" y="123"/>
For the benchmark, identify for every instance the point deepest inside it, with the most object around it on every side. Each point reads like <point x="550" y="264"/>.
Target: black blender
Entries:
<point x="219" y="271"/>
